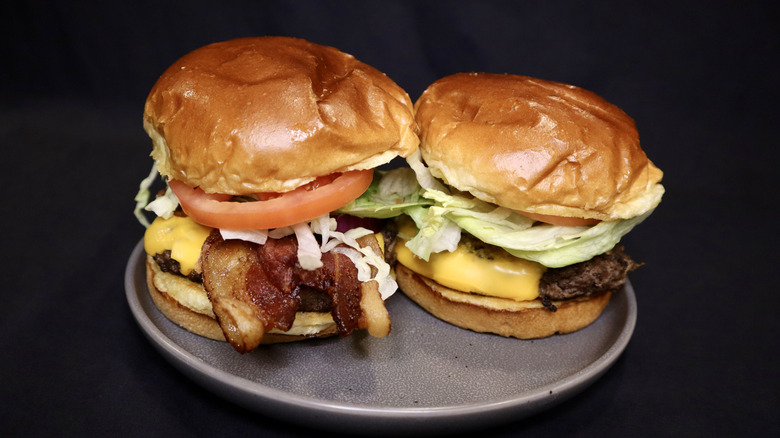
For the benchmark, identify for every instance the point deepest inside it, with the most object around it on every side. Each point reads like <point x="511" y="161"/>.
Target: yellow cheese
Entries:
<point x="495" y="273"/>
<point x="181" y="235"/>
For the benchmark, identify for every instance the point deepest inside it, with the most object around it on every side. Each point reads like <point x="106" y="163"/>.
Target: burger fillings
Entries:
<point x="511" y="217"/>
<point x="259" y="140"/>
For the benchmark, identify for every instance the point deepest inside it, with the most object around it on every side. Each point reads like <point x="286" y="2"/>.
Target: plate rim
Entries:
<point x="337" y="415"/>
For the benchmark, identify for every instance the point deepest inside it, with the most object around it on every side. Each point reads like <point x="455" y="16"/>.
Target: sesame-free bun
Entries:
<point x="269" y="114"/>
<point x="501" y="316"/>
<point x="536" y="146"/>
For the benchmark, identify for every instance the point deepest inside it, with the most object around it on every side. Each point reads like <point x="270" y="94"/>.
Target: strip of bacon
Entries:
<point x="255" y="288"/>
<point x="374" y="318"/>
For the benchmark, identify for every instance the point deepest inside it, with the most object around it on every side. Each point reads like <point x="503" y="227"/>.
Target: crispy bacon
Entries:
<point x="256" y="288"/>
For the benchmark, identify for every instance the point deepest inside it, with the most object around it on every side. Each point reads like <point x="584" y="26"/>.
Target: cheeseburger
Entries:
<point x="520" y="193"/>
<point x="258" y="142"/>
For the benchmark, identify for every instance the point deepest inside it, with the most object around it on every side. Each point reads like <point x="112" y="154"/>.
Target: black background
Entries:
<point x="700" y="79"/>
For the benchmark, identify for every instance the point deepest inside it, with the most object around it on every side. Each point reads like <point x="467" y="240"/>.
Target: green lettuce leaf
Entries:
<point x="441" y="217"/>
<point x="390" y="194"/>
<point x="552" y="246"/>
<point x="163" y="206"/>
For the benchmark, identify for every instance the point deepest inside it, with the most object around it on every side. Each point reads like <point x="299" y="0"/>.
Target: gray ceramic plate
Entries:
<point x="425" y="376"/>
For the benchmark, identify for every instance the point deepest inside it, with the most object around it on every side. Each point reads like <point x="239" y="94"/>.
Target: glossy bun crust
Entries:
<point x="269" y="114"/>
<point x="501" y="316"/>
<point x="536" y="146"/>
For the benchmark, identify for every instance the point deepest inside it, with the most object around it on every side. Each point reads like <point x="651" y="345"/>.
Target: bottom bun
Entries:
<point x="501" y="316"/>
<point x="186" y="303"/>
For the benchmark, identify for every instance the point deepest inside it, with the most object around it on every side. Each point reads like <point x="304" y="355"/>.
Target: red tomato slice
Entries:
<point x="280" y="210"/>
<point x="560" y="220"/>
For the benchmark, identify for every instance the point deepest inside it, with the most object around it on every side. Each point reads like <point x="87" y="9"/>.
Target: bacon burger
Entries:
<point x="521" y="191"/>
<point x="259" y="140"/>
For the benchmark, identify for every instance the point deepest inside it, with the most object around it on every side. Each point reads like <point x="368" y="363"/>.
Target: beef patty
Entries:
<point x="603" y="273"/>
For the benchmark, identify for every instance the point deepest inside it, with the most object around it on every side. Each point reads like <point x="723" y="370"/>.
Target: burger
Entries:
<point x="258" y="142"/>
<point x="515" y="204"/>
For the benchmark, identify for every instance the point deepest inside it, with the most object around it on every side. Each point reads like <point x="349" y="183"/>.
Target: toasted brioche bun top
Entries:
<point x="269" y="114"/>
<point x="536" y="146"/>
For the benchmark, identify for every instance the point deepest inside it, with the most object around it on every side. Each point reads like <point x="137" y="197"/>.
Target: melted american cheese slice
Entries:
<point x="493" y="273"/>
<point x="181" y="235"/>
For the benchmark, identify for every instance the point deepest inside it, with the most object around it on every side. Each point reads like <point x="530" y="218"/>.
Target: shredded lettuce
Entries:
<point x="255" y="236"/>
<point x="424" y="176"/>
<point x="553" y="246"/>
<point x="142" y="197"/>
<point x="436" y="233"/>
<point x="162" y="206"/>
<point x="441" y="216"/>
<point x="363" y="258"/>
<point x="390" y="194"/>
<point x="309" y="255"/>
<point x="370" y="266"/>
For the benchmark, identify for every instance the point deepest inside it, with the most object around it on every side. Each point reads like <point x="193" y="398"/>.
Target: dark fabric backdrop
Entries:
<point x="700" y="79"/>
